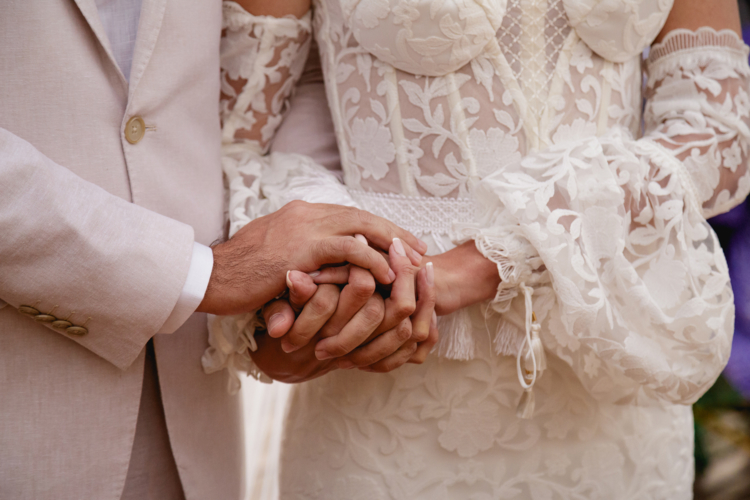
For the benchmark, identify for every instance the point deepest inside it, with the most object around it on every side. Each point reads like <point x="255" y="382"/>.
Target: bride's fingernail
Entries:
<point x="361" y="238"/>
<point x="430" y="274"/>
<point x="345" y="364"/>
<point x="417" y="256"/>
<point x="274" y="322"/>
<point x="399" y="247"/>
<point x="422" y="245"/>
<point x="434" y="319"/>
<point x="314" y="274"/>
<point x="289" y="282"/>
<point x="391" y="275"/>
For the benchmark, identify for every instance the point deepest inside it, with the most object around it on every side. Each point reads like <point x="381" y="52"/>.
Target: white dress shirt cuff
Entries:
<point x="194" y="289"/>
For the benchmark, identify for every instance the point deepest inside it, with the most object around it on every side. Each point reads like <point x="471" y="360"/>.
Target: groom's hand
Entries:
<point x="249" y="269"/>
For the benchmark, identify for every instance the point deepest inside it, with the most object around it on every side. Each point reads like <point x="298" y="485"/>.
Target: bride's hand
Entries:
<point x="409" y="319"/>
<point x="359" y="287"/>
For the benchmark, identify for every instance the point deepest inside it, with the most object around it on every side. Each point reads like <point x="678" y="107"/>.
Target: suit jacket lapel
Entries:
<point x="152" y="15"/>
<point x="91" y="14"/>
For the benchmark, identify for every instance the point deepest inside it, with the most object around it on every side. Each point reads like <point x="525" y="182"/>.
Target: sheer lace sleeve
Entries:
<point x="630" y="284"/>
<point x="261" y="62"/>
<point x="262" y="58"/>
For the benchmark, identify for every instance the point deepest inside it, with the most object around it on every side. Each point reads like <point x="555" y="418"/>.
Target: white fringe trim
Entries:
<point x="508" y="340"/>
<point x="456" y="337"/>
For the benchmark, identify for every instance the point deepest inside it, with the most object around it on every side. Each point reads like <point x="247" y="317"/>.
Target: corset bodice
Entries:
<point x="434" y="38"/>
<point x="430" y="96"/>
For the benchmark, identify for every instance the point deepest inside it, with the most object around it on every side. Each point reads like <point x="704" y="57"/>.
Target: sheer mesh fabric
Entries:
<point x="520" y="122"/>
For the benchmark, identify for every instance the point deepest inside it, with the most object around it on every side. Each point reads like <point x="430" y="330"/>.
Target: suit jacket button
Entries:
<point x="61" y="324"/>
<point x="45" y="318"/>
<point x="134" y="129"/>
<point x="77" y="330"/>
<point x="28" y="310"/>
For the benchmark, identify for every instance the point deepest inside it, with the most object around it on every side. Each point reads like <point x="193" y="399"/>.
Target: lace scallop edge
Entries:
<point x="683" y="48"/>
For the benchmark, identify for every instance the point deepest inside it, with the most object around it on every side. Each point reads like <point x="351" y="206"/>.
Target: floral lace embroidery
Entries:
<point x="630" y="286"/>
<point x="262" y="59"/>
<point x="619" y="224"/>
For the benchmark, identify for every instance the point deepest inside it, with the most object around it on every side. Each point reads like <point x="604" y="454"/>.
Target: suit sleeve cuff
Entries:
<point x="194" y="290"/>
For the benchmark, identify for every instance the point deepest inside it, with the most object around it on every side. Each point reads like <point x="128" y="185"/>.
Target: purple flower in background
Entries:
<point x="734" y="230"/>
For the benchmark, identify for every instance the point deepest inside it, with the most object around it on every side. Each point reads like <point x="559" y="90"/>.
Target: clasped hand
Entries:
<point x="337" y="317"/>
<point x="357" y="325"/>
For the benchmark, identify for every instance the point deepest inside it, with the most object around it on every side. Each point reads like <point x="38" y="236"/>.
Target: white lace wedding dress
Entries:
<point x="517" y="125"/>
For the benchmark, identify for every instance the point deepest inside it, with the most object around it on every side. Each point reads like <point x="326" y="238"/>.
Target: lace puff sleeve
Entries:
<point x="262" y="59"/>
<point x="615" y="228"/>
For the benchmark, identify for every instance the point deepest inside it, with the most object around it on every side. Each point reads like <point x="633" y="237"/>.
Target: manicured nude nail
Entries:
<point x="289" y="282"/>
<point x="361" y="238"/>
<point x="434" y="319"/>
<point x="430" y="270"/>
<point x="274" y="321"/>
<point x="399" y="247"/>
<point x="322" y="355"/>
<point x="287" y="347"/>
<point x="423" y="246"/>
<point x="314" y="274"/>
<point x="345" y="364"/>
<point x="391" y="275"/>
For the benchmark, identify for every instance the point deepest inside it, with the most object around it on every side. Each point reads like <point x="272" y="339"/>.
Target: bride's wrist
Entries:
<point x="463" y="277"/>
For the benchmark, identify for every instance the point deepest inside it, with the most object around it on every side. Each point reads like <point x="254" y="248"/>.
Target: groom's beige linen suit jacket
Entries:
<point x="100" y="231"/>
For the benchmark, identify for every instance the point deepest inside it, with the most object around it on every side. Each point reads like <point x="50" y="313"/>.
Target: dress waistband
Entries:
<point x="418" y="214"/>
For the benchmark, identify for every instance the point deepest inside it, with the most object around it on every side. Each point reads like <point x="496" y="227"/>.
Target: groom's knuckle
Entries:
<point x="332" y="248"/>
<point x="347" y="245"/>
<point x="297" y="209"/>
<point x="324" y="301"/>
<point x="362" y="286"/>
<point x="364" y="218"/>
<point x="373" y="312"/>
<point x="318" y="307"/>
<point x="404" y="331"/>
<point x="342" y="218"/>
